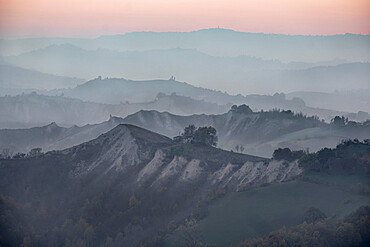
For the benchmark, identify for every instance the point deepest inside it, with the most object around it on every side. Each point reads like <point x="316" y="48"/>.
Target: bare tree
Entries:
<point x="6" y="153"/>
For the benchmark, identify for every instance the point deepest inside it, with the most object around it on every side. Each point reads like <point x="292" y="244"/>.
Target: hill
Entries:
<point x="245" y="74"/>
<point x="37" y="110"/>
<point x="217" y="42"/>
<point x="335" y="182"/>
<point x="258" y="133"/>
<point x="128" y="183"/>
<point x="52" y="136"/>
<point x="240" y="216"/>
<point x="113" y="91"/>
<point x="353" y="101"/>
<point x="29" y="110"/>
<point x="12" y="78"/>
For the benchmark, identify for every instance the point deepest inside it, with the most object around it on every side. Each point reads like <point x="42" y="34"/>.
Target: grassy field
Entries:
<point x="254" y="213"/>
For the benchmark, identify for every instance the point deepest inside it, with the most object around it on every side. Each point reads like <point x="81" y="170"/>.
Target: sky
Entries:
<point x="92" y="18"/>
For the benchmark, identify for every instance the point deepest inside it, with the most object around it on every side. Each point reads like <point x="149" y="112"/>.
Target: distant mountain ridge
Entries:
<point x="247" y="74"/>
<point x="218" y="42"/>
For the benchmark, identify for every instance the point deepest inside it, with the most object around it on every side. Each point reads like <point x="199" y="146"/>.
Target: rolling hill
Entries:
<point x="217" y="42"/>
<point x="30" y="110"/>
<point x="12" y="78"/>
<point x="259" y="133"/>
<point x="129" y="182"/>
<point x="243" y="74"/>
<point x="116" y="90"/>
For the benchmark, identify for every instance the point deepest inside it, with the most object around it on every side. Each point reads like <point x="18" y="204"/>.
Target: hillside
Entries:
<point x="37" y="110"/>
<point x="334" y="182"/>
<point x="29" y="110"/>
<point x="12" y="77"/>
<point x="240" y="216"/>
<point x="116" y="90"/>
<point x="260" y="133"/>
<point x="245" y="74"/>
<point x="217" y="42"/>
<point x="129" y="182"/>
<point x="353" y="101"/>
<point x="52" y="136"/>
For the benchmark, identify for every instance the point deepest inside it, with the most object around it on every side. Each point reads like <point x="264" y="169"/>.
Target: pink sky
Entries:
<point x="90" y="18"/>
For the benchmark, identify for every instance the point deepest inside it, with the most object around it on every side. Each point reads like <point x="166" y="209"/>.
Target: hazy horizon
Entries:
<point x="40" y="18"/>
<point x="96" y="36"/>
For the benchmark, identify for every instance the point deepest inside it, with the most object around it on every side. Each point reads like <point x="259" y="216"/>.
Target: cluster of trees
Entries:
<point x="202" y="135"/>
<point x="244" y="109"/>
<point x="350" y="156"/>
<point x="313" y="215"/>
<point x="111" y="217"/>
<point x="343" y="121"/>
<point x="287" y="154"/>
<point x="13" y="231"/>
<point x="339" y="121"/>
<point x="278" y="113"/>
<point x="8" y="154"/>
<point x="354" y="230"/>
<point x="284" y="114"/>
<point x="85" y="226"/>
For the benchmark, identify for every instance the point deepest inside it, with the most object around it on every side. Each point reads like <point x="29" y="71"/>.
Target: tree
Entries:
<point x="245" y="109"/>
<point x="189" y="131"/>
<point x="89" y="235"/>
<point x="81" y="226"/>
<point x="6" y="153"/>
<point x="202" y="135"/>
<point x="313" y="215"/>
<point x="35" y="152"/>
<point x="19" y="156"/>
<point x="346" y="235"/>
<point x="287" y="154"/>
<point x="339" y="121"/>
<point x="237" y="148"/>
<point x="206" y="136"/>
<point x="241" y="148"/>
